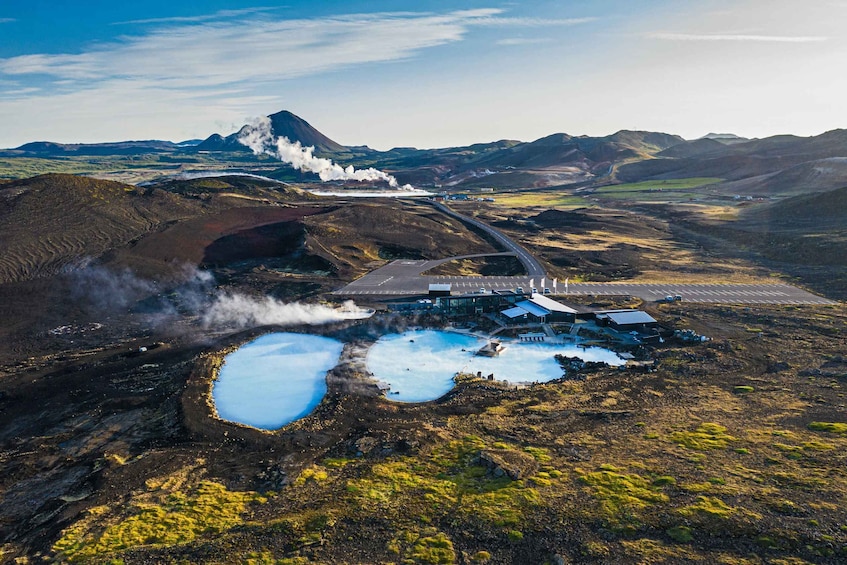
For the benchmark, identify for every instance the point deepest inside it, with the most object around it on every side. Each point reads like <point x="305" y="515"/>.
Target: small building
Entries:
<point x="535" y="313"/>
<point x="539" y="308"/>
<point x="476" y="303"/>
<point x="439" y="289"/>
<point x="626" y="320"/>
<point x="558" y="311"/>
<point x="515" y="314"/>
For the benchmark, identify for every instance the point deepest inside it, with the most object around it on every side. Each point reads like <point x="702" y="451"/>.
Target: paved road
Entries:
<point x="404" y="278"/>
<point x="530" y="263"/>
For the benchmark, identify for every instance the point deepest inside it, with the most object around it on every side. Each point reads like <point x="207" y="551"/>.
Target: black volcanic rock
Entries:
<point x="296" y="128"/>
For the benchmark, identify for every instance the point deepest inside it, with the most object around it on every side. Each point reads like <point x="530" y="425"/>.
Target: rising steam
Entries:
<point x="259" y="137"/>
<point x="241" y="311"/>
<point x="193" y="293"/>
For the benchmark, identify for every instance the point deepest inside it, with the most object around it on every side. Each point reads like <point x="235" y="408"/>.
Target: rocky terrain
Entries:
<point x="730" y="452"/>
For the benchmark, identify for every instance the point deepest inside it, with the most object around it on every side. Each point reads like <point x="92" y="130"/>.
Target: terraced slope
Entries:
<point x="51" y="222"/>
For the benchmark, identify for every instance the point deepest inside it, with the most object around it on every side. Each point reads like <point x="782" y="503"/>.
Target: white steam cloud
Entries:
<point x="259" y="137"/>
<point x="193" y="293"/>
<point x="239" y="310"/>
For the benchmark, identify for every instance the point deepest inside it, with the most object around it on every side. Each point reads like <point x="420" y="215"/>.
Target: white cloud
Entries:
<point x="7" y="20"/>
<point x="736" y="37"/>
<point x="530" y="22"/>
<point x="219" y="15"/>
<point x="210" y="53"/>
<point x="199" y="70"/>
<point x="523" y="40"/>
<point x="217" y="53"/>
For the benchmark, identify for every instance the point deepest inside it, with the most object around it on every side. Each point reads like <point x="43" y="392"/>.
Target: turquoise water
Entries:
<point x="420" y="365"/>
<point x="275" y="379"/>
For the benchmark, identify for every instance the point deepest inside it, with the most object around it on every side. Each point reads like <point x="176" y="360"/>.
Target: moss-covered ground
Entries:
<point x="619" y="467"/>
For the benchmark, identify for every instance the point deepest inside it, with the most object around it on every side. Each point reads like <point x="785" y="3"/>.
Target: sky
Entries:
<point x="430" y="73"/>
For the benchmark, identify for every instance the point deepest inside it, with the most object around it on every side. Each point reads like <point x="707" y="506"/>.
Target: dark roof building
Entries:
<point x="626" y="320"/>
<point x="438" y="289"/>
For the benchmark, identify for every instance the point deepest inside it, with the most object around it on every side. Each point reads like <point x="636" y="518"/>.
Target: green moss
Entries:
<point x="515" y="535"/>
<point x="447" y="479"/>
<point x="664" y="480"/>
<point x="706" y="436"/>
<point x="311" y="474"/>
<point x="180" y="518"/>
<point x="427" y="546"/>
<point x="681" y="534"/>
<point x="539" y="453"/>
<point x="742" y="389"/>
<point x="480" y="557"/>
<point x="832" y="427"/>
<point x="337" y="463"/>
<point x="621" y="496"/>
<point x="708" y="507"/>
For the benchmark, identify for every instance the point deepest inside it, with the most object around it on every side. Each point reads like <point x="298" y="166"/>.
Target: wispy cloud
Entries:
<point x="530" y="22"/>
<point x="225" y="65"/>
<point x="219" y="15"/>
<point x="7" y="20"/>
<point x="215" y="53"/>
<point x="736" y="37"/>
<point x="523" y="40"/>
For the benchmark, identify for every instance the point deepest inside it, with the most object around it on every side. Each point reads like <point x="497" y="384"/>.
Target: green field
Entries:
<point x="546" y="199"/>
<point x="658" y="185"/>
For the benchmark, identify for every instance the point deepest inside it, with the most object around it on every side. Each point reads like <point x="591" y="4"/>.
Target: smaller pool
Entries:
<point x="420" y="365"/>
<point x="275" y="379"/>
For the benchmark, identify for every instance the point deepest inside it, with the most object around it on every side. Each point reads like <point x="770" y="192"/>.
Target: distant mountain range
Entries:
<point x="774" y="165"/>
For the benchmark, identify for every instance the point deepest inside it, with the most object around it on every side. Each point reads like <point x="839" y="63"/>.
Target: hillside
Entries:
<point x="51" y="222"/>
<point x="774" y="166"/>
<point x="823" y="210"/>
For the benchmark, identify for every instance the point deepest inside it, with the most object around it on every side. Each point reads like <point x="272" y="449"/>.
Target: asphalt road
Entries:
<point x="404" y="278"/>
<point x="530" y="263"/>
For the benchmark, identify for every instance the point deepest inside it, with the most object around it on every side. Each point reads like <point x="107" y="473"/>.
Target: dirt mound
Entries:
<point x="215" y="238"/>
<point x="563" y="219"/>
<point x="51" y="222"/>
<point x="353" y="236"/>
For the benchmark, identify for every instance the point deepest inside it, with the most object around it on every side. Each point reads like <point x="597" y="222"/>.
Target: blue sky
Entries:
<point x="424" y="74"/>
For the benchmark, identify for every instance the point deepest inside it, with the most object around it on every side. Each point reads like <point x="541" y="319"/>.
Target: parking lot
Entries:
<point x="404" y="278"/>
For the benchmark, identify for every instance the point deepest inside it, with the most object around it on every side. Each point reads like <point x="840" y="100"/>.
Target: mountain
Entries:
<point x="822" y="210"/>
<point x="283" y="124"/>
<point x="725" y="138"/>
<point x="51" y="149"/>
<point x="781" y="164"/>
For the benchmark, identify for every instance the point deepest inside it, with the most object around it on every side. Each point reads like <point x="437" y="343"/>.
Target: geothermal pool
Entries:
<point x="420" y="365"/>
<point x="275" y="379"/>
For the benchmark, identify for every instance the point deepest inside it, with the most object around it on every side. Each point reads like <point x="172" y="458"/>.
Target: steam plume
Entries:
<point x="238" y="310"/>
<point x="260" y="139"/>
<point x="192" y="293"/>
